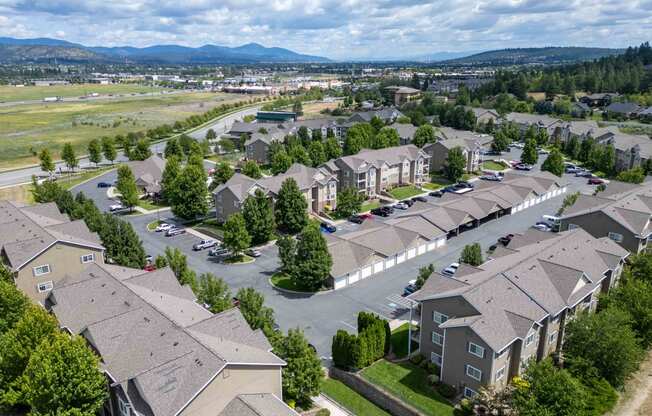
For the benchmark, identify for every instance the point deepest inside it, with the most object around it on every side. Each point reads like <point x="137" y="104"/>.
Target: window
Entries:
<point x="469" y="393"/>
<point x="476" y="350"/>
<point x="88" y="258"/>
<point x="572" y="226"/>
<point x="618" y="238"/>
<point x="435" y="358"/>
<point x="45" y="287"/>
<point x="552" y="337"/>
<point x="440" y="318"/>
<point x="41" y="270"/>
<point x="124" y="408"/>
<point x="473" y="372"/>
<point x="437" y="338"/>
<point x="500" y="373"/>
<point x="530" y="339"/>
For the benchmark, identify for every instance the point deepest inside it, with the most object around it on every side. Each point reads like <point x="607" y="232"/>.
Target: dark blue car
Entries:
<point x="327" y="227"/>
<point x="103" y="185"/>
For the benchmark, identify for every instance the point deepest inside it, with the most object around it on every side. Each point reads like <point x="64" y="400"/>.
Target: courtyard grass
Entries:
<point x="431" y="186"/>
<point x="399" y="341"/>
<point x="152" y="225"/>
<point x="150" y="205"/>
<point x="284" y="281"/>
<point x="410" y="384"/>
<point x="493" y="165"/>
<point x="368" y="206"/>
<point x="349" y="399"/>
<point x="240" y="259"/>
<point x="211" y="228"/>
<point x="404" y="192"/>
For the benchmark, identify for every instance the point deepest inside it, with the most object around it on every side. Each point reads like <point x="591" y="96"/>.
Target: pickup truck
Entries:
<point x="204" y="244"/>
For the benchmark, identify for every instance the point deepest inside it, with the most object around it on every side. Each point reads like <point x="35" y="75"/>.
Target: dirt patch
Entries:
<point x="313" y="110"/>
<point x="637" y="398"/>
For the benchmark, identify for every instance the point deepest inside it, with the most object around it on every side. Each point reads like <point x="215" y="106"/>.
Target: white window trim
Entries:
<point x="49" y="285"/>
<point x="530" y="339"/>
<point x="435" y="358"/>
<point x="481" y="355"/>
<point x="36" y="273"/>
<point x="91" y="255"/>
<point x="470" y="374"/>
<point x="552" y="337"/>
<point x="469" y="393"/>
<point x="437" y="335"/>
<point x="500" y="373"/>
<point x="438" y="317"/>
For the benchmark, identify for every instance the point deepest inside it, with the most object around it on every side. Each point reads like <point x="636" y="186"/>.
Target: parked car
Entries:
<point x="451" y="269"/>
<point x="380" y="212"/>
<point x="408" y="202"/>
<point x="204" y="244"/>
<point x="175" y="231"/>
<point x="401" y="205"/>
<point x="149" y="259"/>
<point x="357" y="219"/>
<point x="504" y="240"/>
<point x="513" y="163"/>
<point x="103" y="185"/>
<point x="149" y="268"/>
<point x="387" y="209"/>
<point x="218" y="251"/>
<point x="491" y="177"/>
<point x="518" y="145"/>
<point x="464" y="184"/>
<point x="571" y="169"/>
<point x="420" y="199"/>
<point x="252" y="252"/>
<point x="365" y="216"/>
<point x="163" y="227"/>
<point x="523" y="166"/>
<point x="116" y="207"/>
<point x="410" y="288"/>
<point x="437" y="194"/>
<point x="584" y="174"/>
<point x="595" y="181"/>
<point x="542" y="226"/>
<point x="326" y="227"/>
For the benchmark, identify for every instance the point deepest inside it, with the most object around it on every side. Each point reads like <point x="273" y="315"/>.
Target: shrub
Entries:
<point x="433" y="379"/>
<point x="416" y="359"/>
<point x="446" y="390"/>
<point x="323" y="412"/>
<point x="424" y="364"/>
<point x="466" y="407"/>
<point x="433" y="368"/>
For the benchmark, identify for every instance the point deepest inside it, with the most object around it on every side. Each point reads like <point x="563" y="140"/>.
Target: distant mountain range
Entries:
<point x="524" y="56"/>
<point x="14" y="51"/>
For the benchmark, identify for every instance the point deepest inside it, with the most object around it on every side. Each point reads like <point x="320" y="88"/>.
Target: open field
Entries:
<point x="313" y="110"/>
<point x="25" y="129"/>
<point x="9" y="93"/>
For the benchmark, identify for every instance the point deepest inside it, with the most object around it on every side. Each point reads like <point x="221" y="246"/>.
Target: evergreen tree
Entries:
<point x="316" y="153"/>
<point x="251" y="169"/>
<point x="304" y="135"/>
<point x="455" y="164"/>
<point x="349" y="201"/>
<point x="108" y="149"/>
<point x="530" y="155"/>
<point x="291" y="208"/>
<point x="95" y="151"/>
<point x="332" y="148"/>
<point x="221" y="175"/>
<point x="169" y="176"/>
<point x="424" y="134"/>
<point x="259" y="217"/>
<point x="287" y="251"/>
<point x="189" y="198"/>
<point x="608" y="159"/>
<point x="313" y="260"/>
<point x="554" y="163"/>
<point x="317" y="135"/>
<point x="47" y="165"/>
<point x="472" y="254"/>
<point x="586" y="148"/>
<point x="572" y="148"/>
<point x="214" y="292"/>
<point x="127" y="186"/>
<point x="236" y="236"/>
<point x="69" y="157"/>
<point x="303" y="374"/>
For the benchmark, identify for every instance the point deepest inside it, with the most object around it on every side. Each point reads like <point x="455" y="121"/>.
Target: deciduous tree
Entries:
<point x="425" y="134"/>
<point x="108" y="149"/>
<point x="349" y="201"/>
<point x="69" y="157"/>
<point x="472" y="254"/>
<point x="236" y="236"/>
<point x="554" y="163"/>
<point x="303" y="374"/>
<point x="332" y="148"/>
<point x="221" y="175"/>
<point x="251" y="169"/>
<point x="259" y="217"/>
<point x="530" y="155"/>
<point x="47" y="165"/>
<point x="251" y="304"/>
<point x="95" y="151"/>
<point x="127" y="186"/>
<point x="313" y="260"/>
<point x="291" y="208"/>
<point x="189" y="199"/>
<point x="169" y="176"/>
<point x="214" y="292"/>
<point x="455" y="164"/>
<point x="316" y="153"/>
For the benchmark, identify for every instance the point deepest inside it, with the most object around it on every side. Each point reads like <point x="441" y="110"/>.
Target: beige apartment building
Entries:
<point x="41" y="246"/>
<point x="483" y="325"/>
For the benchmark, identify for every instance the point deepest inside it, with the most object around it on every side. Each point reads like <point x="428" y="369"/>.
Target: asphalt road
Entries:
<point x="221" y="126"/>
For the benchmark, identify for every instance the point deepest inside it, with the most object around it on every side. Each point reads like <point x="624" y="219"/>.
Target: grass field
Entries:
<point x="410" y="384"/>
<point x="9" y="93"/>
<point x="404" y="192"/>
<point x="25" y="129"/>
<point x="349" y="399"/>
<point x="283" y="281"/>
<point x="492" y="165"/>
<point x="369" y="206"/>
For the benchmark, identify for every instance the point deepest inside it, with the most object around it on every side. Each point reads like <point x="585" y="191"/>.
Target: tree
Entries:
<point x="635" y="175"/>
<point x="303" y="374"/>
<point x="121" y="242"/>
<point x="47" y="165"/>
<point x="424" y="134"/>
<point x="297" y="108"/>
<point x="303" y="135"/>
<point x="35" y="326"/>
<point x="214" y="292"/>
<point x="95" y="151"/>
<point x="287" y="251"/>
<point x="127" y="186"/>
<point x="299" y="154"/>
<point x="179" y="265"/>
<point x="377" y="123"/>
<point x="472" y="254"/>
<point x="313" y="261"/>
<point x="141" y="151"/>
<point x="455" y="164"/>
<point x="173" y="148"/>
<point x="317" y="135"/>
<point x="251" y="169"/>
<point x="236" y="236"/>
<point x="386" y="137"/>
<point x="258" y="214"/>
<point x="211" y="135"/>
<point x="634" y="297"/>
<point x="108" y="149"/>
<point x="252" y="307"/>
<point x="332" y="148"/>
<point x="349" y="202"/>
<point x="280" y="162"/>
<point x="586" y="148"/>
<point x="358" y="137"/>
<point x="572" y="148"/>
<point x="608" y="159"/>
<point x="569" y="201"/>
<point x="221" y="175"/>
<point x="189" y="199"/>
<point x="316" y="153"/>
<point x="64" y="375"/>
<point x="501" y="141"/>
<point x="606" y="341"/>
<point x="530" y="155"/>
<point x="291" y="208"/>
<point x="424" y="274"/>
<point x="554" y="163"/>
<point x="69" y="157"/>
<point x="640" y="267"/>
<point x="169" y="176"/>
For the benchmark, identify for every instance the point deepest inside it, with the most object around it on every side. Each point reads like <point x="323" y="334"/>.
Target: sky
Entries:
<point x="338" y="29"/>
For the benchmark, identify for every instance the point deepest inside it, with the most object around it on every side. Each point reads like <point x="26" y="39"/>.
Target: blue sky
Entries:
<point x="339" y="29"/>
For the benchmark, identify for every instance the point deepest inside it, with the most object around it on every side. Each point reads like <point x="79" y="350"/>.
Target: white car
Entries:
<point x="163" y="227"/>
<point x="542" y="226"/>
<point x="116" y="207"/>
<point x="400" y="205"/>
<point x="450" y="270"/>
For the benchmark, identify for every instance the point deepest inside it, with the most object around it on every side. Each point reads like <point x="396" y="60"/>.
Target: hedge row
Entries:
<point x="372" y="342"/>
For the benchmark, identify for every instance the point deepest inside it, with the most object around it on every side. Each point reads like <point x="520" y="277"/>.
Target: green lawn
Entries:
<point x="242" y="258"/>
<point x="349" y="399"/>
<point x="468" y="176"/>
<point x="152" y="225"/>
<point x="431" y="186"/>
<point x="284" y="281"/>
<point x="150" y="205"/>
<point x="369" y="206"/>
<point x="404" y="192"/>
<point x="211" y="228"/>
<point x="440" y="180"/>
<point x="492" y="165"/>
<point x="68" y="182"/>
<point x="399" y="341"/>
<point x="409" y="383"/>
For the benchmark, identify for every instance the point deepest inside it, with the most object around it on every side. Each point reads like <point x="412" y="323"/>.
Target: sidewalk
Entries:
<point x="334" y="408"/>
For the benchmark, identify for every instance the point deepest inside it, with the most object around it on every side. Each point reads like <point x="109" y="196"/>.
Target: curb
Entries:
<point x="294" y="292"/>
<point x="94" y="177"/>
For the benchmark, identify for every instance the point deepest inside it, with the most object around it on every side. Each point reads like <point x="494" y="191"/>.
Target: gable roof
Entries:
<point x="379" y="157"/>
<point x="148" y="173"/>
<point x="257" y="405"/>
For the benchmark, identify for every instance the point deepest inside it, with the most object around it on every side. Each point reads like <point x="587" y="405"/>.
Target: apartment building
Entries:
<point x="374" y="171"/>
<point x="164" y="354"/>
<point x="41" y="246"/>
<point x="318" y="186"/>
<point x="524" y="120"/>
<point x="148" y="174"/>
<point x="622" y="213"/>
<point x="472" y="144"/>
<point x="483" y="326"/>
<point x="258" y="145"/>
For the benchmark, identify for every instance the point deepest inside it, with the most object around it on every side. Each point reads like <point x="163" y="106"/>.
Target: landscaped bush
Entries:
<point x="323" y="412"/>
<point x="433" y="379"/>
<point x="433" y="368"/>
<point x="466" y="407"/>
<point x="416" y="359"/>
<point x="446" y="390"/>
<point x="373" y="340"/>
<point x="424" y="364"/>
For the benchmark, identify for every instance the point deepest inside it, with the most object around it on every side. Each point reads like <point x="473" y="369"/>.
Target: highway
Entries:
<point x="221" y="126"/>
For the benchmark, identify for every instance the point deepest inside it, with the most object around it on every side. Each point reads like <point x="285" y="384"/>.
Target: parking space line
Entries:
<point x="349" y="325"/>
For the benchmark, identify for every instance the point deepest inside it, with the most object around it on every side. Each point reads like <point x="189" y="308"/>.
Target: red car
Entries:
<point x="595" y="181"/>
<point x="150" y="268"/>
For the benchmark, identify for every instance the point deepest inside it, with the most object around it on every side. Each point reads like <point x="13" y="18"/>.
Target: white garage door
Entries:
<point x="400" y="258"/>
<point x="411" y="253"/>
<point x="526" y="204"/>
<point x="564" y="189"/>
<point x="340" y="282"/>
<point x="354" y="277"/>
<point x="421" y="249"/>
<point x="432" y="246"/>
<point x="378" y="267"/>
<point x="441" y="242"/>
<point x="390" y="262"/>
<point x="366" y="272"/>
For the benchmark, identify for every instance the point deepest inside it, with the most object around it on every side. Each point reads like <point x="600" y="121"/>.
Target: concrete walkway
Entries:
<point x="333" y="407"/>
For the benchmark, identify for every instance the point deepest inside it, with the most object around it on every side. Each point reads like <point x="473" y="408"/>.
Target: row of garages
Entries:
<point x="537" y="200"/>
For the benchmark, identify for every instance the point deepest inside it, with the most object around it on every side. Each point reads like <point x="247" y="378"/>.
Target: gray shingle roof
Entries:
<point x="377" y="158"/>
<point x="269" y="138"/>
<point x="149" y="172"/>
<point x="257" y="405"/>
